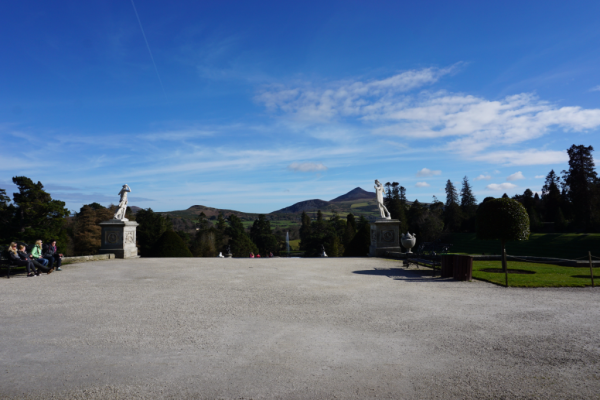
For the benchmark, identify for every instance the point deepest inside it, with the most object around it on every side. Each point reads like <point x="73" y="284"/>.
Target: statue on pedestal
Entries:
<point x="119" y="234"/>
<point x="385" y="214"/>
<point x="120" y="214"/>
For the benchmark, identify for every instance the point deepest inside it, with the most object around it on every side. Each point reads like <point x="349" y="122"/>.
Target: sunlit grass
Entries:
<point x="546" y="275"/>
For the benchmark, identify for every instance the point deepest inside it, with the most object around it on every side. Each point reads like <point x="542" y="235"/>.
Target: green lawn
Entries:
<point x="546" y="275"/>
<point x="559" y="245"/>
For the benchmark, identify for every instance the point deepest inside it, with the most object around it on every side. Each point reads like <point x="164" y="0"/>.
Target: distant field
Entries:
<point x="559" y="245"/>
<point x="544" y="275"/>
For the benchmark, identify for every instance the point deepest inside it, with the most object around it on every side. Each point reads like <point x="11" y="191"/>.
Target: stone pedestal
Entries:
<point x="385" y="236"/>
<point x="118" y="237"/>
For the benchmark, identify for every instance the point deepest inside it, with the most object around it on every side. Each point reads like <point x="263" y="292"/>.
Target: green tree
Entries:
<point x="262" y="236"/>
<point x="240" y="242"/>
<point x="350" y="230"/>
<point x="170" y="244"/>
<point x="551" y="198"/>
<point x="451" y="193"/>
<point x="151" y="228"/>
<point x="359" y="245"/>
<point x="87" y="233"/>
<point x="504" y="220"/>
<point x="37" y="215"/>
<point x="7" y="215"/>
<point x="204" y="243"/>
<point x="468" y="206"/>
<point x="579" y="182"/>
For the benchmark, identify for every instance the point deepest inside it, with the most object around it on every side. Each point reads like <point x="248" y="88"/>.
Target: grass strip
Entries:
<point x="546" y="275"/>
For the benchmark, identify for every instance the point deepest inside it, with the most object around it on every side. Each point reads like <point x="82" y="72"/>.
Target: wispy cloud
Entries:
<point x="524" y="157"/>
<point x="345" y="98"/>
<point x="540" y="176"/>
<point x="428" y="172"/>
<point x="483" y="177"/>
<point x="422" y="184"/>
<point x="515" y="177"/>
<point x="467" y="125"/>
<point x="307" y="167"/>
<point x="501" y="186"/>
<point x="595" y="89"/>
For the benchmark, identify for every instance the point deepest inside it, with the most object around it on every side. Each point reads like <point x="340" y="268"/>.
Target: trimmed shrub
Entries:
<point x="171" y="244"/>
<point x="502" y="219"/>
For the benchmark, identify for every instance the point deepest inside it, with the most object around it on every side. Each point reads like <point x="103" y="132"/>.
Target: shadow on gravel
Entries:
<point x="403" y="274"/>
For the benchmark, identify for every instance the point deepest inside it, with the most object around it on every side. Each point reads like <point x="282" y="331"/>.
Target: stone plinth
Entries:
<point x="385" y="236"/>
<point x="119" y="237"/>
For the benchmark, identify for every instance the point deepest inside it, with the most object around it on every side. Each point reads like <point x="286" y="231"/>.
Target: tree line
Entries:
<point x="569" y="201"/>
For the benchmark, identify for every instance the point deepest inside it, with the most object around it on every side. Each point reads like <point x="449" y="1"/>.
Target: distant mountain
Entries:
<point x="135" y="209"/>
<point x="355" y="194"/>
<point x="306" y="205"/>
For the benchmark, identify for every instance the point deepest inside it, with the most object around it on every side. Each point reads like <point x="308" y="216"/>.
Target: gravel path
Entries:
<point x="291" y="329"/>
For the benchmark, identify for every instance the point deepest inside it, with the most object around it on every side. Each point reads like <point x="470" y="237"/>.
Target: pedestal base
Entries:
<point x="385" y="236"/>
<point x="119" y="238"/>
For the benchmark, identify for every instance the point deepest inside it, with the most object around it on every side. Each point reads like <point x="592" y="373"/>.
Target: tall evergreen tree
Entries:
<point x="468" y="206"/>
<point x="451" y="193"/>
<point x="37" y="215"/>
<point x="7" y="213"/>
<point x="467" y="198"/>
<point x="240" y="242"/>
<point x="151" y="228"/>
<point x="579" y="182"/>
<point x="551" y="198"/>
<point x="350" y="230"/>
<point x="263" y="238"/>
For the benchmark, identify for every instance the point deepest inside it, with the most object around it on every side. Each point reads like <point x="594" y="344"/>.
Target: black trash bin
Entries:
<point x="447" y="266"/>
<point x="463" y="268"/>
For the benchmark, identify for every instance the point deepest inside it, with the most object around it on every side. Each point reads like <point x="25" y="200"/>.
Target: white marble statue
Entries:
<point x="385" y="214"/>
<point x="120" y="214"/>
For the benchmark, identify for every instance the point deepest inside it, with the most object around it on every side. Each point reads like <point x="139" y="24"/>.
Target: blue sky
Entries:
<point x="257" y="105"/>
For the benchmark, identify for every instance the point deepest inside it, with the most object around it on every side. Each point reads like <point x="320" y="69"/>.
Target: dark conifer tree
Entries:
<point x="37" y="215"/>
<point x="451" y="193"/>
<point x="579" y="182"/>
<point x="551" y="197"/>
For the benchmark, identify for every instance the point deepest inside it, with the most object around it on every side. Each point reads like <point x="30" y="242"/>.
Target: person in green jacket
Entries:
<point x="36" y="252"/>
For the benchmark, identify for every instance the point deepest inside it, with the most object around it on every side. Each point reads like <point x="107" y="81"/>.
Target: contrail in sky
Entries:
<point x="148" y="46"/>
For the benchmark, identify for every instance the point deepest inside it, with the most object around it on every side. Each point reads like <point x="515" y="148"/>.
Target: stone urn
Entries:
<point x="408" y="242"/>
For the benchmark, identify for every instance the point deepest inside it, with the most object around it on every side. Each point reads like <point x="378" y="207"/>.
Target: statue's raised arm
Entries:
<point x="120" y="214"/>
<point x="385" y="214"/>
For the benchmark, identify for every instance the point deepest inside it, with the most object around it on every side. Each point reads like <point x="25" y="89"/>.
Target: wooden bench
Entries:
<point x="6" y="262"/>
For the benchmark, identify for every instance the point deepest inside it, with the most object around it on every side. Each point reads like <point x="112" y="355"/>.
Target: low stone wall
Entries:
<point x="96" y="257"/>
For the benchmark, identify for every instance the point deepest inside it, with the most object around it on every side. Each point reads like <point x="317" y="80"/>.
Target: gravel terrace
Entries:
<point x="291" y="329"/>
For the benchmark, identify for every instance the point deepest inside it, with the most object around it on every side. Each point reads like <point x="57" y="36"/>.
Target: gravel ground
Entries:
<point x="291" y="329"/>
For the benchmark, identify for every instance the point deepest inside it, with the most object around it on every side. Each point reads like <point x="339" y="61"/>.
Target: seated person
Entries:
<point x="53" y="256"/>
<point x="24" y="256"/>
<point x="251" y="255"/>
<point x="16" y="260"/>
<point x="36" y="254"/>
<point x="257" y="255"/>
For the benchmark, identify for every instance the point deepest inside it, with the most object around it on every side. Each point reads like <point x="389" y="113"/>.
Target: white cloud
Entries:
<point x="422" y="184"/>
<point x="483" y="177"/>
<point x="471" y="125"/>
<point x="428" y="172"/>
<point x="345" y="98"/>
<point x="496" y="171"/>
<point x="540" y="177"/>
<point x="524" y="157"/>
<point x="595" y="89"/>
<point x="515" y="177"/>
<point x="501" y="186"/>
<point x="307" y="167"/>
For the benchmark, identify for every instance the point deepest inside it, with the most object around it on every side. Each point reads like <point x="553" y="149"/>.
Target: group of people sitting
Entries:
<point x="258" y="255"/>
<point x="42" y="258"/>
